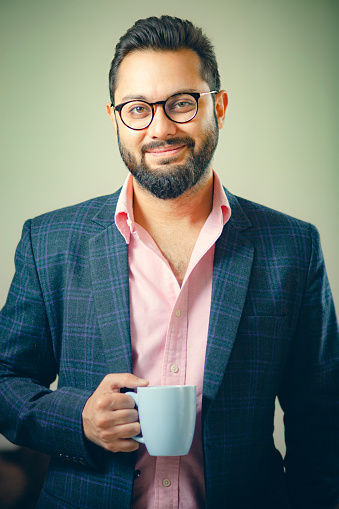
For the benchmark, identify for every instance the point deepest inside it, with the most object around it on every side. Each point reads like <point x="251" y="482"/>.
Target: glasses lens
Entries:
<point x="136" y="114"/>
<point x="181" y="107"/>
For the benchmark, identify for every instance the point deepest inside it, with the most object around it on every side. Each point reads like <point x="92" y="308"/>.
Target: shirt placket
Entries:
<point x="166" y="485"/>
<point x="173" y="373"/>
<point x="175" y="354"/>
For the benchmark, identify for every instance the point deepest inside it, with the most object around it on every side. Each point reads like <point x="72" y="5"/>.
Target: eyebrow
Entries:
<point x="143" y="98"/>
<point x="133" y="97"/>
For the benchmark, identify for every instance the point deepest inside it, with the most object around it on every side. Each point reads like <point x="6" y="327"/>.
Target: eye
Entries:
<point x="137" y="109"/>
<point x="181" y="104"/>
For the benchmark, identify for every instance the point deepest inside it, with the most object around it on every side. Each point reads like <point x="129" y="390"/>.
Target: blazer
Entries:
<point x="272" y="332"/>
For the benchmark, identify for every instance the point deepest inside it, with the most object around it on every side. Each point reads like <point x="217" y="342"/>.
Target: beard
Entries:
<point x="175" y="179"/>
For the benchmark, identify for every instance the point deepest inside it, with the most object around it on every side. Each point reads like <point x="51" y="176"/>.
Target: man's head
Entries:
<point x="166" y="33"/>
<point x="167" y="152"/>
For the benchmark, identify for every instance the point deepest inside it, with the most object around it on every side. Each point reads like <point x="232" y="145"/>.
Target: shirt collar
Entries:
<point x="124" y="217"/>
<point x="220" y="201"/>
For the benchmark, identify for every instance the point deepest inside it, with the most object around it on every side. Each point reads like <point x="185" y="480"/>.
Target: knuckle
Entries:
<point x="129" y="379"/>
<point x="106" y="436"/>
<point x="101" y="421"/>
<point x="99" y="403"/>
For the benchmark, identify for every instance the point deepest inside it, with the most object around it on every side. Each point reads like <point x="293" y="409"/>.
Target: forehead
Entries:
<point x="155" y="75"/>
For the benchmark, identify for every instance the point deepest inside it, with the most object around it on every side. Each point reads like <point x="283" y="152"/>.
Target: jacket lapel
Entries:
<point x="231" y="274"/>
<point x="109" y="274"/>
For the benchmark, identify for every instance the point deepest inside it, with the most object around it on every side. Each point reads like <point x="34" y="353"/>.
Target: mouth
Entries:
<point x="166" y="151"/>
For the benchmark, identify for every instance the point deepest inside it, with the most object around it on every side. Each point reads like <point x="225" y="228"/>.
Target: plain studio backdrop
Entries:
<point x="278" y="62"/>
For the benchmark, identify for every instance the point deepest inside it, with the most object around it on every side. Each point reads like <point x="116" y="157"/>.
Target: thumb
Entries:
<point x="116" y="381"/>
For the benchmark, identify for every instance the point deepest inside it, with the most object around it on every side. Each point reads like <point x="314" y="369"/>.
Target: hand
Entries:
<point x="109" y="418"/>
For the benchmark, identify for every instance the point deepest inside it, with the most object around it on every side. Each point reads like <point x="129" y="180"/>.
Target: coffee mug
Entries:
<point x="167" y="416"/>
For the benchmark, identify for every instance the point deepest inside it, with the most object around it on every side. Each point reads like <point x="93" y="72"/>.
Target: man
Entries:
<point x="177" y="281"/>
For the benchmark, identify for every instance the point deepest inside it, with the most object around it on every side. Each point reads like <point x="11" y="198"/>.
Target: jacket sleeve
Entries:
<point x="309" y="394"/>
<point x="31" y="414"/>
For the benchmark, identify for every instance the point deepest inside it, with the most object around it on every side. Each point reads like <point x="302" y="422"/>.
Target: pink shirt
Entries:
<point x="169" y="327"/>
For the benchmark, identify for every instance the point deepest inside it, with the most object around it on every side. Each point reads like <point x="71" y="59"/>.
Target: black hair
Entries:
<point x="166" y="33"/>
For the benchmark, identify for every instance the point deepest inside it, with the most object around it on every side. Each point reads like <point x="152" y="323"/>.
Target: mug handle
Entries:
<point x="134" y="396"/>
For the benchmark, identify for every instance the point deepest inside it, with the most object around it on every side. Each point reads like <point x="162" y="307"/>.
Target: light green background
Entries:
<point x="278" y="61"/>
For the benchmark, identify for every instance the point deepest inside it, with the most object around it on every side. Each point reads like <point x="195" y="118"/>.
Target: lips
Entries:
<point x="167" y="148"/>
<point x="166" y="151"/>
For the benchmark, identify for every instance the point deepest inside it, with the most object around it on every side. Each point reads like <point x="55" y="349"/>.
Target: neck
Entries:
<point x="190" y="209"/>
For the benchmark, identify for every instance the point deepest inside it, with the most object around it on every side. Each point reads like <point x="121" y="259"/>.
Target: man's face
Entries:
<point x="167" y="158"/>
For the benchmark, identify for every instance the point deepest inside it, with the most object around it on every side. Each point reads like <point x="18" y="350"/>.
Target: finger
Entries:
<point x="125" y="431"/>
<point x="110" y="436"/>
<point x="108" y="420"/>
<point x="110" y="423"/>
<point x="115" y="381"/>
<point x="122" y="401"/>
<point x="114" y="401"/>
<point x="124" y="417"/>
<point x="125" y="445"/>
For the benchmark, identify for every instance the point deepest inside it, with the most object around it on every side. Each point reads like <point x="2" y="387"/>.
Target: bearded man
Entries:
<point x="172" y="280"/>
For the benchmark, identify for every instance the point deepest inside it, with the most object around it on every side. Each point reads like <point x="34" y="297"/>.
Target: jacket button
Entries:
<point x="166" y="483"/>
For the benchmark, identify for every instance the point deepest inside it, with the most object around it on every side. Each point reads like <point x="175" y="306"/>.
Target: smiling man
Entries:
<point x="183" y="137"/>
<point x="172" y="280"/>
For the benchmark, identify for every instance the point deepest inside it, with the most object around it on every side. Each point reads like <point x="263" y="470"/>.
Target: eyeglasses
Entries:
<point x="179" y="108"/>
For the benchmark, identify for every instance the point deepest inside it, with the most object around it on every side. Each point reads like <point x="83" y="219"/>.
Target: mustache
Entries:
<point x="173" y="141"/>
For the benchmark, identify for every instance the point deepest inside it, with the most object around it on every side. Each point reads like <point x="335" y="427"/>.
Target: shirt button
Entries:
<point x="177" y="313"/>
<point x="166" y="483"/>
<point x="174" y="368"/>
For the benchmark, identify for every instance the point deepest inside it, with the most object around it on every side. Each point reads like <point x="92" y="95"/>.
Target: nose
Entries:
<point x="161" y="127"/>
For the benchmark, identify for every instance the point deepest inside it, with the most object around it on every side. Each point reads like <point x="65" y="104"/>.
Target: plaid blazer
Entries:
<point x="272" y="331"/>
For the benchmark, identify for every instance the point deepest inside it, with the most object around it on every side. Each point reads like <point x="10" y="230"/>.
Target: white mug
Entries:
<point x="167" y="417"/>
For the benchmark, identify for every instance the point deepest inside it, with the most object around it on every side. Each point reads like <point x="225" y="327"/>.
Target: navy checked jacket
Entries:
<point x="272" y="331"/>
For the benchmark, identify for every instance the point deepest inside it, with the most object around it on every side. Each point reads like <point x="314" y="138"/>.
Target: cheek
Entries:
<point x="204" y="122"/>
<point x="192" y="129"/>
<point x="206" y="128"/>
<point x="129" y="139"/>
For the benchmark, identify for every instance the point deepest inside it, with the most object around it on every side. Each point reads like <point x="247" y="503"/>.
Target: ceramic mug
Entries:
<point x="167" y="416"/>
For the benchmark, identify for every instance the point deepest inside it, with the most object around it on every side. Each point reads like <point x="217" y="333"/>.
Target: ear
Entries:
<point x="111" y="114"/>
<point x="221" y="102"/>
